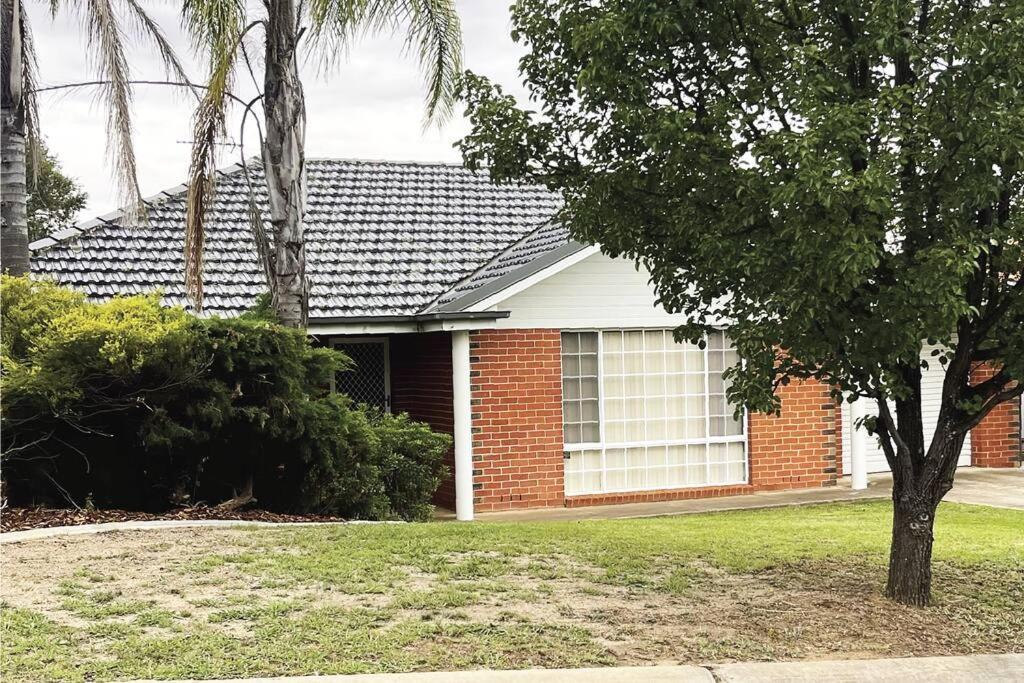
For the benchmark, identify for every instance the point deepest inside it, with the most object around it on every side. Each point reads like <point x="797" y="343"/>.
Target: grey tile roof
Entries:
<point x="384" y="238"/>
<point x="531" y="253"/>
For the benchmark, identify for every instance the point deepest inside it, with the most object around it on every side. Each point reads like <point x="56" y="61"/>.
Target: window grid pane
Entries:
<point x="667" y="423"/>
<point x="580" y="391"/>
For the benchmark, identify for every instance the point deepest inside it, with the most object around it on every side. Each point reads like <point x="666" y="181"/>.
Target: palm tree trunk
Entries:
<point x="13" y="221"/>
<point x="284" y="162"/>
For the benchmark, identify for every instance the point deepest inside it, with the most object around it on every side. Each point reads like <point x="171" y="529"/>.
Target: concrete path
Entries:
<point x="987" y="668"/>
<point x="107" y="527"/>
<point x="975" y="669"/>
<point x="995" y="487"/>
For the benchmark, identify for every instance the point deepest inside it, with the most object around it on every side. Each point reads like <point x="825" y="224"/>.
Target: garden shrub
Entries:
<point x="131" y="404"/>
<point x="410" y="457"/>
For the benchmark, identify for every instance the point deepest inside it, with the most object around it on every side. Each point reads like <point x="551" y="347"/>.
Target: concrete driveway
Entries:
<point x="1001" y="488"/>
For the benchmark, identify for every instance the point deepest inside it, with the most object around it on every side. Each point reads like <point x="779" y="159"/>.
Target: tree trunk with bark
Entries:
<point x="910" y="555"/>
<point x="922" y="475"/>
<point x="14" y="256"/>
<point x="284" y="163"/>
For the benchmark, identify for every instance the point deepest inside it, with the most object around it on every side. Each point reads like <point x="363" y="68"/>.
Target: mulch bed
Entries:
<point x="18" y="519"/>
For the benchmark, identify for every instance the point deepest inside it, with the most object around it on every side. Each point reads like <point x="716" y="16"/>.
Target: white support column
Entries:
<point x="858" y="447"/>
<point x="463" y="426"/>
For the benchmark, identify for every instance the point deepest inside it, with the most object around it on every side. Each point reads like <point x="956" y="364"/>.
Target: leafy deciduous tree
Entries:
<point x="841" y="179"/>
<point x="53" y="199"/>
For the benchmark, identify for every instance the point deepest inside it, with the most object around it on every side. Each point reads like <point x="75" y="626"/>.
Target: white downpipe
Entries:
<point x="858" y="447"/>
<point x="463" y="426"/>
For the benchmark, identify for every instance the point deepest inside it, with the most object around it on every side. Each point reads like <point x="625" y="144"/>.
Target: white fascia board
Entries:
<point x="539" y="276"/>
<point x="399" y="327"/>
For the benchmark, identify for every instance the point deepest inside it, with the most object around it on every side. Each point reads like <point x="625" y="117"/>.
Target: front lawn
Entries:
<point x="772" y="584"/>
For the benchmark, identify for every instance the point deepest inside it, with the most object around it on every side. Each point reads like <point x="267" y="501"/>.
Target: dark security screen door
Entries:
<point x="368" y="381"/>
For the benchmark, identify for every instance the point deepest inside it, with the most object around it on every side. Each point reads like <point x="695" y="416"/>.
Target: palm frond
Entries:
<point x="212" y="23"/>
<point x="435" y="37"/>
<point x="106" y="38"/>
<point x="150" y="29"/>
<point x="216" y="27"/>
<point x="30" y="102"/>
<point x="433" y="34"/>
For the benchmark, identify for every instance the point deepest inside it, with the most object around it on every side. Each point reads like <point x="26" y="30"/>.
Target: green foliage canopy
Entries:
<point x="131" y="404"/>
<point x="53" y="199"/>
<point x="840" y="180"/>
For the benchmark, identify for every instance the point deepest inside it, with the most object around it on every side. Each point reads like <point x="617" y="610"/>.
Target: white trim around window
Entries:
<point x="662" y="418"/>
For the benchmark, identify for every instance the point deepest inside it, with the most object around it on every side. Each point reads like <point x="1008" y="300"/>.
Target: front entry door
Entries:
<point x="369" y="381"/>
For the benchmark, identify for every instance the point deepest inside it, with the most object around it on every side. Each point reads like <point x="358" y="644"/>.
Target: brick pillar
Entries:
<point x="516" y="384"/>
<point x="996" y="441"/>
<point x="796" y="449"/>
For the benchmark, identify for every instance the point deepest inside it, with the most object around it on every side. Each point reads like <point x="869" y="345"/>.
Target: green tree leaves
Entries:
<point x="841" y="180"/>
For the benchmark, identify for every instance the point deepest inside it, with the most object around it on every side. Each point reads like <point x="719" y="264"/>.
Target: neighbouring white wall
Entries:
<point x="931" y="401"/>
<point x="598" y="292"/>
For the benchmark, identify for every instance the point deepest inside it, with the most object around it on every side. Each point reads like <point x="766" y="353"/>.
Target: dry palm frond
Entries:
<point x="29" y="68"/>
<point x="106" y="38"/>
<point x="216" y="27"/>
<point x="209" y="126"/>
<point x="150" y="29"/>
<point x="433" y="34"/>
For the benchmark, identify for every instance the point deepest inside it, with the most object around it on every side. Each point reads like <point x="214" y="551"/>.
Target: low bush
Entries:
<point x="131" y="404"/>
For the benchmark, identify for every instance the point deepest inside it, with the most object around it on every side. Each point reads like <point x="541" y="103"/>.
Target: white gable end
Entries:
<point x="597" y="292"/>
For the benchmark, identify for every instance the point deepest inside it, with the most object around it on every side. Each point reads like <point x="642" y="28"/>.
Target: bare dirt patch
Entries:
<point x="695" y="612"/>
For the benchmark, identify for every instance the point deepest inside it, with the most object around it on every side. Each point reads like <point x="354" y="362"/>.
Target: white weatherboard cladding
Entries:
<point x="599" y="292"/>
<point x="931" y="399"/>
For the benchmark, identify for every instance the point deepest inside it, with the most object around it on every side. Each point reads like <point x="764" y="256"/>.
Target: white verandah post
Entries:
<point x="463" y="426"/>
<point x="858" y="447"/>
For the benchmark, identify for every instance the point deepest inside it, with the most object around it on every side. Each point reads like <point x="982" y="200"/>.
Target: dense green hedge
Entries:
<point x="132" y="404"/>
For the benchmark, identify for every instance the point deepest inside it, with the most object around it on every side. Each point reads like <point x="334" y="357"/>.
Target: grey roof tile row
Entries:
<point x="508" y="265"/>
<point x="383" y="238"/>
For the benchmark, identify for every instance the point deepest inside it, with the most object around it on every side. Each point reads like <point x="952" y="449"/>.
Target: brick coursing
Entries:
<point x="996" y="440"/>
<point x="798" y="448"/>
<point x="421" y="385"/>
<point x="518" y="443"/>
<point x="516" y="386"/>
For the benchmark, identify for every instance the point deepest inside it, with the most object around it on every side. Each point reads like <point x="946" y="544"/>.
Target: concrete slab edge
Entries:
<point x="108" y="527"/>
<point x="988" y="668"/>
<point x="633" y="674"/>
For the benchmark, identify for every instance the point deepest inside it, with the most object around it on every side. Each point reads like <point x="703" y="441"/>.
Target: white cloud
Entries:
<point x="369" y="106"/>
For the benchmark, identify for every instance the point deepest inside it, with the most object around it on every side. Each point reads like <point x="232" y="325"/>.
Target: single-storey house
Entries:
<point x="467" y="307"/>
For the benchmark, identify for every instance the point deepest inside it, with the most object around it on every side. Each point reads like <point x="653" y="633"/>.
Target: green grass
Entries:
<point x="366" y="598"/>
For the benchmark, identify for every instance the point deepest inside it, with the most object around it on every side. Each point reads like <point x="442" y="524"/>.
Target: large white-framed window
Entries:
<point x="642" y="412"/>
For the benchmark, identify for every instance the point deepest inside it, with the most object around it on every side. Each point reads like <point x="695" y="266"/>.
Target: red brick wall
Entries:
<point x="840" y="454"/>
<point x="798" y="448"/>
<point x="421" y="385"/>
<point x="995" y="442"/>
<point x="516" y="384"/>
<point x="518" y="443"/>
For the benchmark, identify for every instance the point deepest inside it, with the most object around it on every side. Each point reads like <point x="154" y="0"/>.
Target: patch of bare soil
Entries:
<point x="19" y="519"/>
<point x="155" y="567"/>
<point x="808" y="610"/>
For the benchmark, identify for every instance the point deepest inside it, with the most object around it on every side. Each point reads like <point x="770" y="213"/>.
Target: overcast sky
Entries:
<point x="369" y="107"/>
